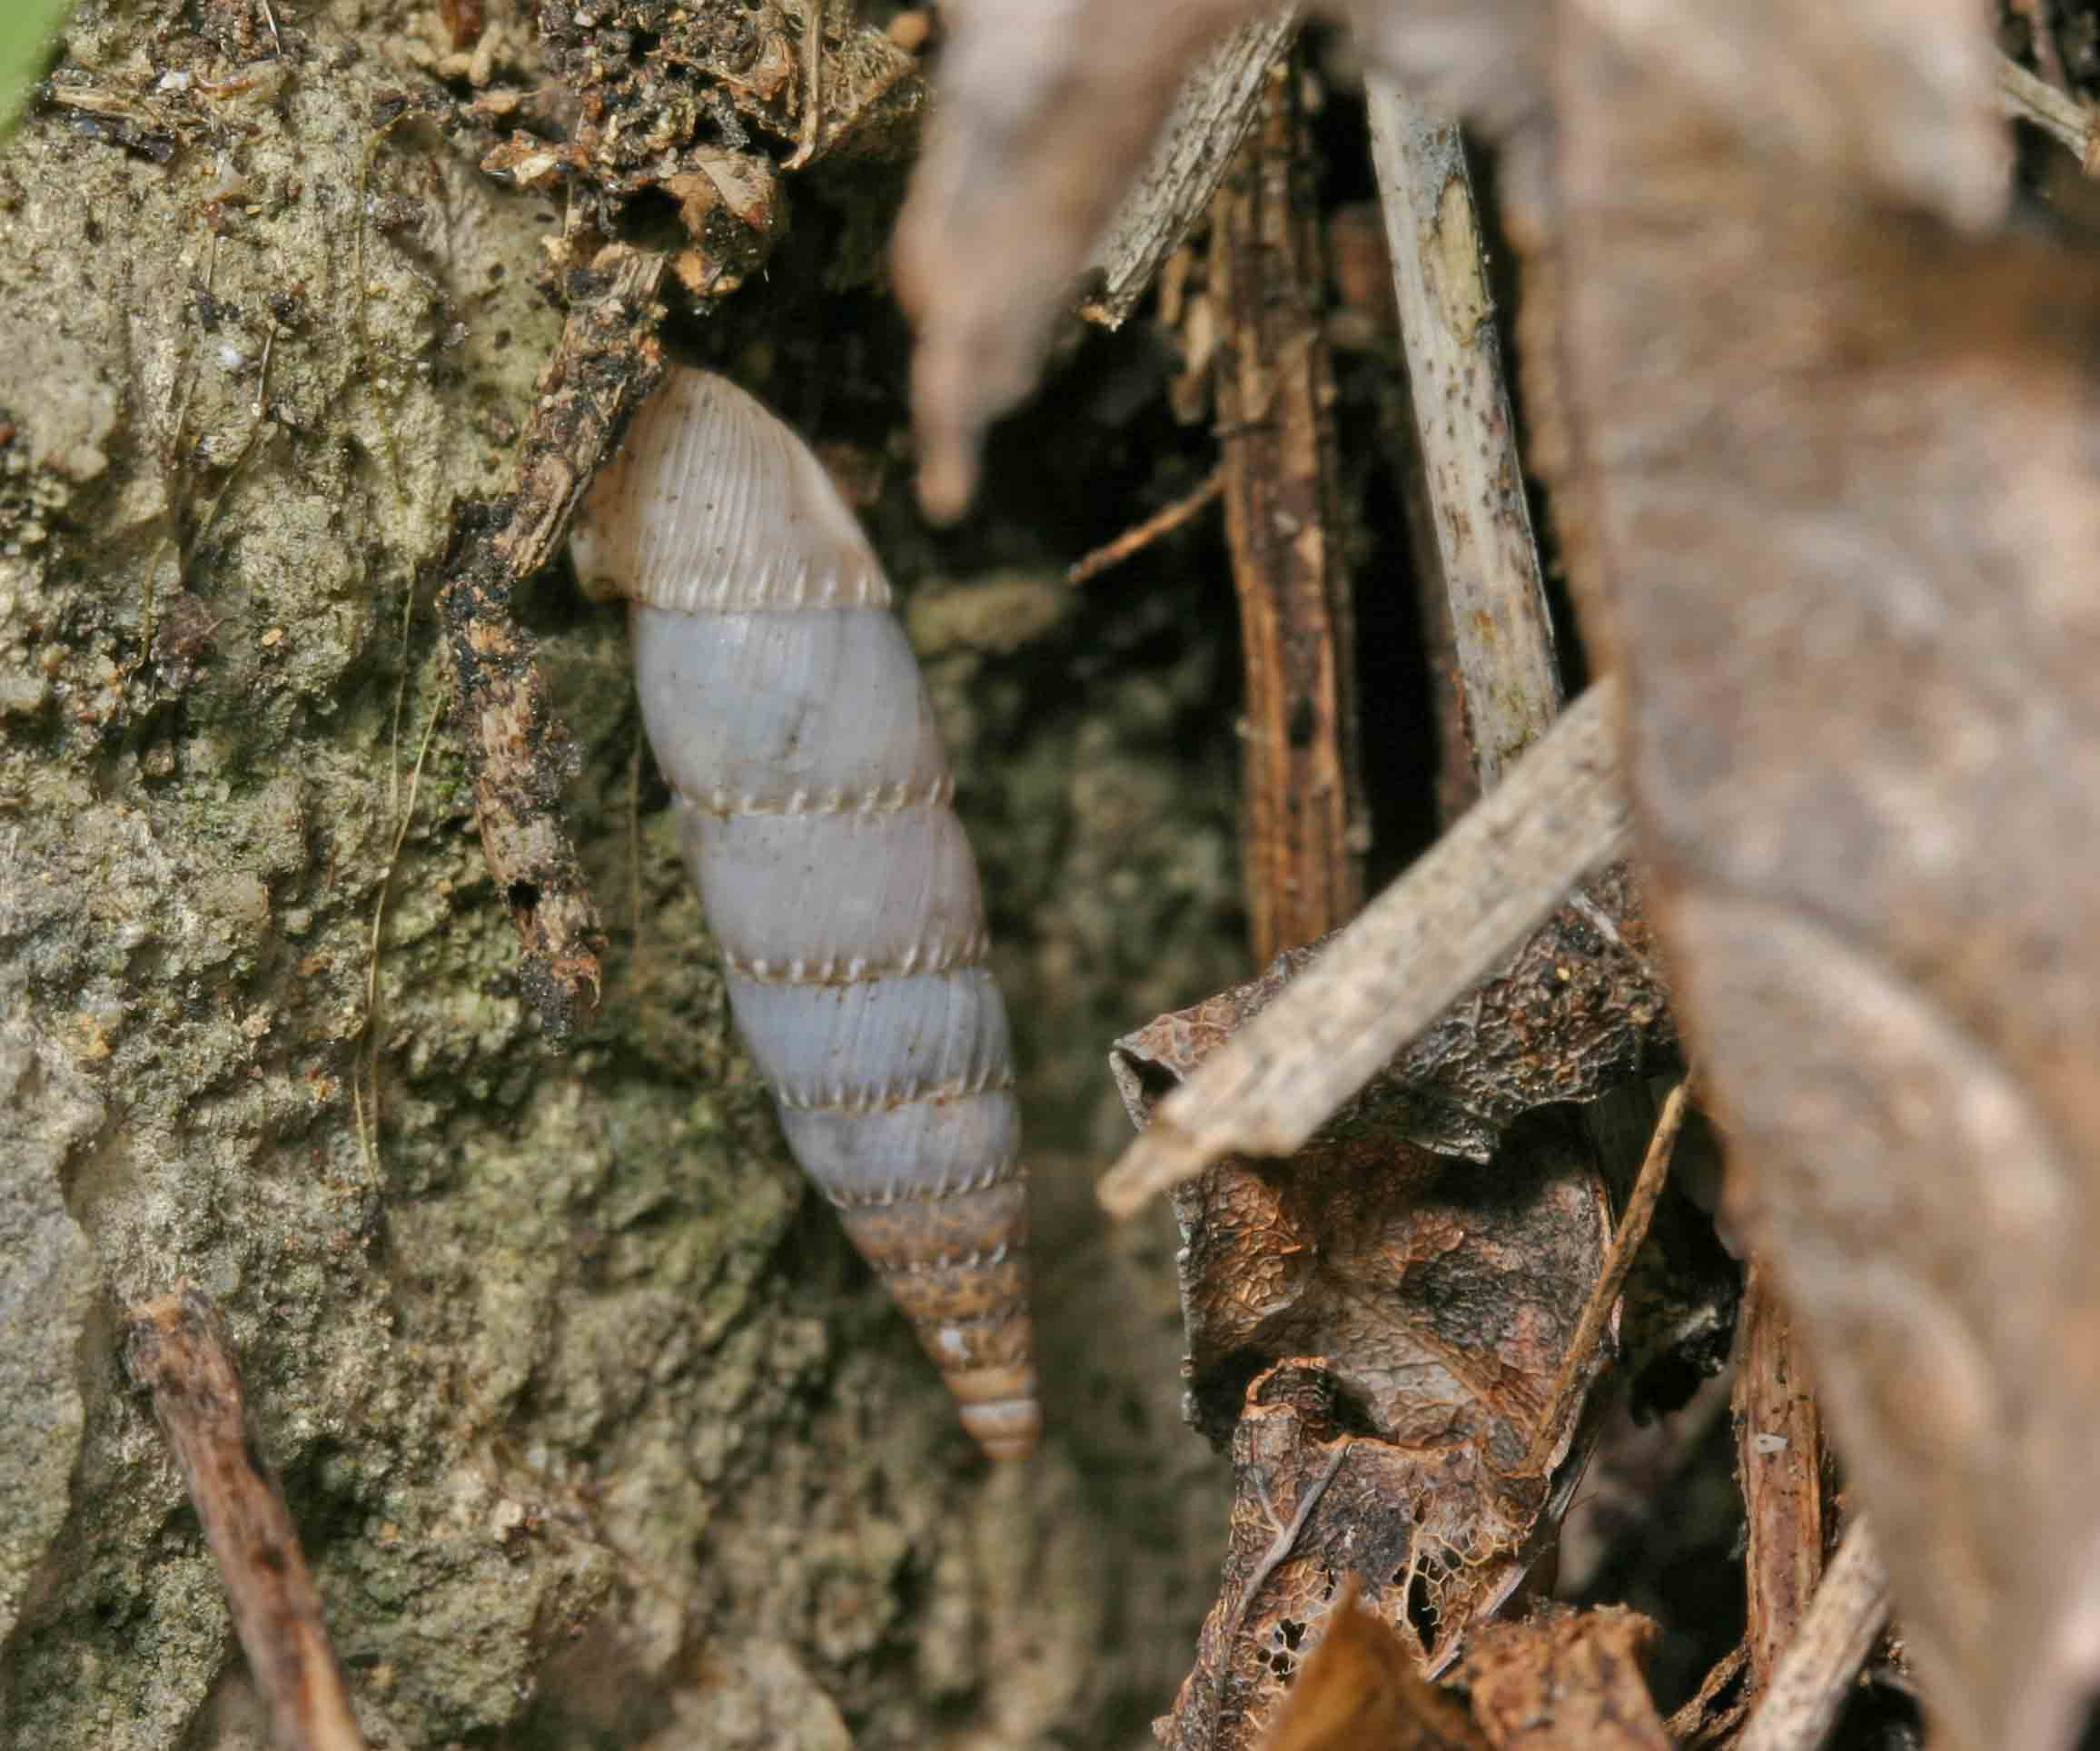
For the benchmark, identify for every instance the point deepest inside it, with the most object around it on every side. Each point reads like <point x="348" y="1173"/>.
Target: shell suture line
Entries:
<point x="715" y="505"/>
<point x="896" y="1192"/>
<point x="988" y="1079"/>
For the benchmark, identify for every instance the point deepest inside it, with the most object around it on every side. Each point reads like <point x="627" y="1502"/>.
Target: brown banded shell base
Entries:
<point x="957" y="1267"/>
<point x="786" y="708"/>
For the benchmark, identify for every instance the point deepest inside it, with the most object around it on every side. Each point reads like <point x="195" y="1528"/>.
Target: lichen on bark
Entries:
<point x="594" y="1432"/>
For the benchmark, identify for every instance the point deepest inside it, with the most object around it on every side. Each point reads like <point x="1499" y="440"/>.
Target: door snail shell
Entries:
<point x="787" y="710"/>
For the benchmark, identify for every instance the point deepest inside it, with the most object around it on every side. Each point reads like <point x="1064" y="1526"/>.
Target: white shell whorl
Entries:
<point x="786" y="709"/>
<point x="714" y="503"/>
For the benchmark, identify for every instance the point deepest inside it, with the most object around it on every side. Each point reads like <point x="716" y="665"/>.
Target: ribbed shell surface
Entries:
<point x="787" y="710"/>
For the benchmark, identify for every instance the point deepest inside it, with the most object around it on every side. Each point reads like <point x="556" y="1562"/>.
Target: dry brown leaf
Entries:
<point x="1421" y="1304"/>
<point x="1896" y="96"/>
<point x="1565" y="1678"/>
<point x="1840" y="526"/>
<point x="1362" y="1691"/>
<point x="1407" y="1315"/>
<point x="1441" y="1295"/>
<point x="1442" y="1533"/>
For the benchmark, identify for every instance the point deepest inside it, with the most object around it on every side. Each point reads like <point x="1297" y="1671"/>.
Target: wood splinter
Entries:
<point x="1816" y="1673"/>
<point x="1305" y="819"/>
<point x="178" y="1348"/>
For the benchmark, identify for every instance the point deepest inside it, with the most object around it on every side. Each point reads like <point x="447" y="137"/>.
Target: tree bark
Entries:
<point x="588" y="1423"/>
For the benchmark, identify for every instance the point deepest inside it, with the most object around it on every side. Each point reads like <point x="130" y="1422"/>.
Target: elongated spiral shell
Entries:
<point x="786" y="709"/>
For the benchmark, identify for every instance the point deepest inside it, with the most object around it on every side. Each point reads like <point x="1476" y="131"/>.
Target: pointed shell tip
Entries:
<point x="1007" y="1428"/>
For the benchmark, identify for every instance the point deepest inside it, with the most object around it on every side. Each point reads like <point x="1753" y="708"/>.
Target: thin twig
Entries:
<point x="2061" y="116"/>
<point x="1302" y="830"/>
<point x="1815" y="1675"/>
<point x="1472" y="472"/>
<point x="1141" y="536"/>
<point x="1571" y="1381"/>
<point x="519" y="755"/>
<point x="1417" y="948"/>
<point x="178" y="1348"/>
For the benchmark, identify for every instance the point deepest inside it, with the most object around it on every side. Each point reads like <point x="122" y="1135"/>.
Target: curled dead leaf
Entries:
<point x="1565" y="1677"/>
<point x="1361" y="1689"/>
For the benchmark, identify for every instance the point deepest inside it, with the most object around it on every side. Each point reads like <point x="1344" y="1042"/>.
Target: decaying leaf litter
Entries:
<point x="1336" y="1435"/>
<point x="1725" y="216"/>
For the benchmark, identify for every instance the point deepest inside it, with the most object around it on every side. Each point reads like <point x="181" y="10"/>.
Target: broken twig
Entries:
<point x="1495" y="876"/>
<point x="178" y="1348"/>
<point x="2058" y="113"/>
<point x="1816" y="1672"/>
<point x="1202" y="131"/>
<point x="1579" y="1362"/>
<point x="607" y="361"/>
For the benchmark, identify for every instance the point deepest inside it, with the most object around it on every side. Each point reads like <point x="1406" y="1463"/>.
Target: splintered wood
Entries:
<point x="1303" y="836"/>
<point x="1815" y="1674"/>
<point x="1473" y="478"/>
<point x="177" y="1347"/>
<point x="518" y="752"/>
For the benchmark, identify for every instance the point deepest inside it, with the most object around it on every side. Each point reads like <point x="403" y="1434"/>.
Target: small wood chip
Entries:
<point x="1565" y="1678"/>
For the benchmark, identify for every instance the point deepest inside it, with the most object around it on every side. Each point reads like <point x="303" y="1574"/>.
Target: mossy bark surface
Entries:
<point x="594" y="1430"/>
